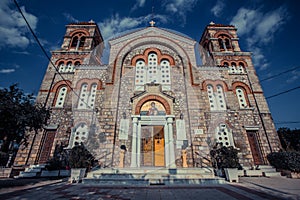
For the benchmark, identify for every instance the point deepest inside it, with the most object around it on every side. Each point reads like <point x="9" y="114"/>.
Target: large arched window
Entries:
<point x="224" y="42"/>
<point x="241" y="96"/>
<point x="60" y="97"/>
<point x="216" y="98"/>
<point x="152" y="70"/>
<point x="87" y="96"/>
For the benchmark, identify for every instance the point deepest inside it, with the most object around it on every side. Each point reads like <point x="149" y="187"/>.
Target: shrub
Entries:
<point x="285" y="160"/>
<point x="80" y="157"/>
<point x="225" y="157"/>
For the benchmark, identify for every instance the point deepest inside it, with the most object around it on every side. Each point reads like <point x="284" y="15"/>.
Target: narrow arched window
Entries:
<point x="220" y="99"/>
<point x="240" y="68"/>
<point x="74" y="41"/>
<point x="221" y="45"/>
<point x="60" y="97"/>
<point x="82" y="41"/>
<point x="83" y="97"/>
<point x="61" y="67"/>
<point x="227" y="44"/>
<point x="165" y="72"/>
<point x="140" y="75"/>
<point x="240" y="93"/>
<point x="69" y="67"/>
<point x="152" y="68"/>
<point x="211" y="97"/>
<point x="92" y="96"/>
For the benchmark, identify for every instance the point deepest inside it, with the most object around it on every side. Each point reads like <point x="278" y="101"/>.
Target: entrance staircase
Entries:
<point x="152" y="176"/>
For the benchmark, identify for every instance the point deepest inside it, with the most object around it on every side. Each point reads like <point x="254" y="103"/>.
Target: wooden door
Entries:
<point x="47" y="146"/>
<point x="254" y="146"/>
<point x="159" y="149"/>
<point x="152" y="146"/>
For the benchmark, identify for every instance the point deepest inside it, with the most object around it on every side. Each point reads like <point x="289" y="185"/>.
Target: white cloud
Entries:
<point x="138" y="4"/>
<point x="259" y="29"/>
<point x="6" y="71"/>
<point x="179" y="7"/>
<point x="70" y="18"/>
<point x="13" y="29"/>
<point x="295" y="76"/>
<point x="115" y="25"/>
<point x="218" y="8"/>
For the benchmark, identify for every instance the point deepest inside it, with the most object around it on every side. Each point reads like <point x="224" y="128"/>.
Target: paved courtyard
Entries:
<point x="247" y="188"/>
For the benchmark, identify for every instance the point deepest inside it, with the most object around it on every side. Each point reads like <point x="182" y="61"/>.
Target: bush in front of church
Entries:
<point x="285" y="161"/>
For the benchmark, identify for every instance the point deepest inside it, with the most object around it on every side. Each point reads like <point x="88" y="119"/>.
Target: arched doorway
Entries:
<point x="152" y="134"/>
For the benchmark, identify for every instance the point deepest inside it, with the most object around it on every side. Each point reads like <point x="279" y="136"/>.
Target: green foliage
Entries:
<point x="224" y="157"/>
<point x="80" y="157"/>
<point x="19" y="114"/>
<point x="59" y="160"/>
<point x="290" y="139"/>
<point x="285" y="160"/>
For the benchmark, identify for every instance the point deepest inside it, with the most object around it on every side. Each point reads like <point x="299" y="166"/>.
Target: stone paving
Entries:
<point x="247" y="188"/>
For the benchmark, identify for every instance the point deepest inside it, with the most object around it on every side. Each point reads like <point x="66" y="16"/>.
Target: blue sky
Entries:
<point x="268" y="28"/>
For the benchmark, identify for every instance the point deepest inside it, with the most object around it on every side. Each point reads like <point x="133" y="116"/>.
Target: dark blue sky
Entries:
<point x="268" y="28"/>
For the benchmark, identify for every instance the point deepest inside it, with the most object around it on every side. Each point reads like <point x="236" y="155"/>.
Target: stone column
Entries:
<point x="167" y="143"/>
<point x="138" y="153"/>
<point x="134" y="142"/>
<point x="172" y="163"/>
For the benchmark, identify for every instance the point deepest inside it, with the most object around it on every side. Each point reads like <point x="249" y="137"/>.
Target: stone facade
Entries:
<point x="106" y="108"/>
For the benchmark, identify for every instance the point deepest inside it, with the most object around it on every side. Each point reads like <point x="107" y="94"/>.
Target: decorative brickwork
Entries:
<point x="114" y="105"/>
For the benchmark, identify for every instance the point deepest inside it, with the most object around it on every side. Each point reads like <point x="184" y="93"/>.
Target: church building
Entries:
<point x="152" y="105"/>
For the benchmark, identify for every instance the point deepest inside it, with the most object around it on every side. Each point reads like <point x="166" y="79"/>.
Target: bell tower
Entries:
<point x="218" y="42"/>
<point x="79" y="41"/>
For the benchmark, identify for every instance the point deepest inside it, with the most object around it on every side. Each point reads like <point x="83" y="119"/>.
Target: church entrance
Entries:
<point x="152" y="146"/>
<point x="254" y="146"/>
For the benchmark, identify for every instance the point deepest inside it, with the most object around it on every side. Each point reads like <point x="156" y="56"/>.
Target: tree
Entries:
<point x="290" y="139"/>
<point x="19" y="115"/>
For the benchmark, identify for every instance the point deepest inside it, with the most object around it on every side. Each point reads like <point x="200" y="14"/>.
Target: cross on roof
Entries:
<point x="152" y="23"/>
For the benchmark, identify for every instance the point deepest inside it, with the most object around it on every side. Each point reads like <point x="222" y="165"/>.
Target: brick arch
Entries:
<point x="243" y="85"/>
<point x="60" y="84"/>
<point x="153" y="98"/>
<point x="89" y="82"/>
<point x="214" y="83"/>
<point x="164" y="41"/>
<point x="217" y="34"/>
<point x="75" y="32"/>
<point x="59" y="61"/>
<point x="160" y="57"/>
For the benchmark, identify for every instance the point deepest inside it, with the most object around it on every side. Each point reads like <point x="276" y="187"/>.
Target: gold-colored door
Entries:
<point x="153" y="146"/>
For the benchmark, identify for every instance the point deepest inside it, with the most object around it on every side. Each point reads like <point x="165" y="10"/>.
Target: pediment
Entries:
<point x="152" y="32"/>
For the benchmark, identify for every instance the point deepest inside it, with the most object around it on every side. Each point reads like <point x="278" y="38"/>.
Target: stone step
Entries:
<point x="271" y="174"/>
<point x="146" y="182"/>
<point x="27" y="174"/>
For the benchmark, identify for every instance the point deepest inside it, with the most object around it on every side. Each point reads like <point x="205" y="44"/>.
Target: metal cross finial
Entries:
<point x="152" y="23"/>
